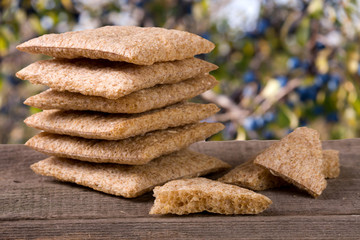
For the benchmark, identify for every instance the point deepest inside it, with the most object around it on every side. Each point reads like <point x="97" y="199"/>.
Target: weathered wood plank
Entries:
<point x="24" y="195"/>
<point x="50" y="199"/>
<point x="195" y="226"/>
<point x="32" y="206"/>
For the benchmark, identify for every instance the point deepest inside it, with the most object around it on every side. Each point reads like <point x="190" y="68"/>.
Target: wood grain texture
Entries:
<point x="32" y="206"/>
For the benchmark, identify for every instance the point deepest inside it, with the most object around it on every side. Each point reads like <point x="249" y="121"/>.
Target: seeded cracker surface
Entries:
<point x="252" y="176"/>
<point x="137" y="102"/>
<point x="297" y="158"/>
<point x="129" y="181"/>
<point x="109" y="126"/>
<point x="331" y="165"/>
<point x="133" y="151"/>
<point x="201" y="194"/>
<point x="109" y="79"/>
<point x="138" y="45"/>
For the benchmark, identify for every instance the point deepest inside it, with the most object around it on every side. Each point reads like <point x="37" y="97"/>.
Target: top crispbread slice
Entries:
<point x="200" y="194"/>
<point x="141" y="101"/>
<point x="98" y="125"/>
<point x="133" y="151"/>
<point x="143" y="46"/>
<point x="331" y="165"/>
<point x="109" y="79"/>
<point x="298" y="159"/>
<point x="129" y="181"/>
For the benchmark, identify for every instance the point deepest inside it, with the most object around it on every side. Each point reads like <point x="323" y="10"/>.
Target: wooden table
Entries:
<point x="32" y="206"/>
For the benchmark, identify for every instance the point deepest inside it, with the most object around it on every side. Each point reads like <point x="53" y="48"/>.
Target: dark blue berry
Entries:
<point x="293" y="63"/>
<point x="249" y="76"/>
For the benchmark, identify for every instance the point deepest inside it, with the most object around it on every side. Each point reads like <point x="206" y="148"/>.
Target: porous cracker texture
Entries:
<point x="129" y="181"/>
<point x="251" y="176"/>
<point x="138" y="45"/>
<point x="331" y="166"/>
<point x="133" y="151"/>
<point x="141" y="101"/>
<point x="298" y="159"/>
<point x="112" y="126"/>
<point x="109" y="79"/>
<point x="201" y="194"/>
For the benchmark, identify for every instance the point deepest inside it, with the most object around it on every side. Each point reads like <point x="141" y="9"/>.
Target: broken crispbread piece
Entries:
<point x="133" y="151"/>
<point x="255" y="177"/>
<point x="331" y="164"/>
<point x="109" y="126"/>
<point x="252" y="176"/>
<point x="109" y="79"/>
<point x="129" y="181"/>
<point x="297" y="158"/>
<point x="137" y="102"/>
<point x="201" y="194"/>
<point x="138" y="45"/>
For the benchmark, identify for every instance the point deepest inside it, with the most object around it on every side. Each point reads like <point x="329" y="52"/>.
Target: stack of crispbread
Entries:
<point x="118" y="95"/>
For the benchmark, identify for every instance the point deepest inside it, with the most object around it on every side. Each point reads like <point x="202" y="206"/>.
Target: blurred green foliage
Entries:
<point x="282" y="64"/>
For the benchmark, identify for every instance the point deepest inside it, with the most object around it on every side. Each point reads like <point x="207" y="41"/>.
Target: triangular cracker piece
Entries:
<point x="134" y="151"/>
<point x="331" y="165"/>
<point x="137" y="102"/>
<point x="255" y="177"/>
<point x="138" y="45"/>
<point x="129" y="181"/>
<point x="109" y="79"/>
<point x="109" y="126"/>
<point x="201" y="194"/>
<point x="251" y="176"/>
<point x="297" y="158"/>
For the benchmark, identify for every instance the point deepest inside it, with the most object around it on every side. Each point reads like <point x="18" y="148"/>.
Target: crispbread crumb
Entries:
<point x="297" y="158"/>
<point x="133" y="151"/>
<point x="97" y="125"/>
<point x="109" y="79"/>
<point x="137" y="102"/>
<point x="138" y="45"/>
<point x="201" y="194"/>
<point x="129" y="181"/>
<point x="253" y="177"/>
<point x="331" y="165"/>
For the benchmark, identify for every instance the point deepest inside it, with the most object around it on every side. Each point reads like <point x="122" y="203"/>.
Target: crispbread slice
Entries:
<point x="109" y="126"/>
<point x="331" y="165"/>
<point x="129" y="181"/>
<point x="137" y="45"/>
<point x="252" y="176"/>
<point x="137" y="102"/>
<point x="109" y="79"/>
<point x="201" y="194"/>
<point x="297" y="158"/>
<point x="133" y="151"/>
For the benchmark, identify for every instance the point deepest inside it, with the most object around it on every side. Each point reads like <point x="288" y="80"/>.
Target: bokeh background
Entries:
<point x="282" y="63"/>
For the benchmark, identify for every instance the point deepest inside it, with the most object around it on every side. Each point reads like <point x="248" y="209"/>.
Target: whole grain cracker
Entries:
<point x="137" y="102"/>
<point x="297" y="158"/>
<point x="138" y="45"/>
<point x="201" y="194"/>
<point x="331" y="165"/>
<point x="133" y="151"/>
<point x="109" y="79"/>
<point x="129" y="181"/>
<point x="252" y="176"/>
<point x="109" y="126"/>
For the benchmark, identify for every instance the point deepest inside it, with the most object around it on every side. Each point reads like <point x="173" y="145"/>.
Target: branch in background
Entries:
<point x="237" y="114"/>
<point x="268" y="103"/>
